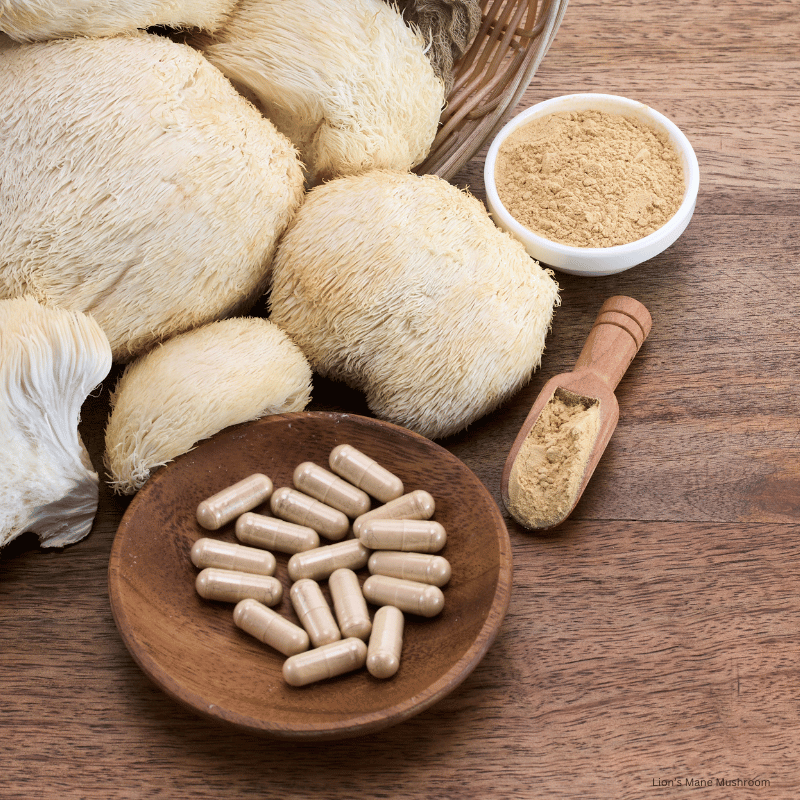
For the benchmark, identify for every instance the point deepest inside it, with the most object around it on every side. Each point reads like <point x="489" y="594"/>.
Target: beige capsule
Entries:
<point x="365" y="473"/>
<point x="244" y="495"/>
<point x="227" y="555"/>
<point x="319" y="563"/>
<point x="322" y="485"/>
<point x="349" y="604"/>
<point x="412" y="597"/>
<point x="230" y="586"/>
<point x="420" y="567"/>
<point x="385" y="642"/>
<point x="409" y="535"/>
<point x="327" y="661"/>
<point x="270" y="627"/>
<point x="418" y="504"/>
<point x="272" y="533"/>
<point x="298" y="507"/>
<point x="314" y="613"/>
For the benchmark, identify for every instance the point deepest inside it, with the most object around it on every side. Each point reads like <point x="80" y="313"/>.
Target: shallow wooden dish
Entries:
<point x="190" y="647"/>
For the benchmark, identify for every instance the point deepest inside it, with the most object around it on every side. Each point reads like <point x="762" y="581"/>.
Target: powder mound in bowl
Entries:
<point x="589" y="178"/>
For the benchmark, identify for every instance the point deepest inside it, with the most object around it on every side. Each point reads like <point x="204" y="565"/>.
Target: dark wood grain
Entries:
<point x="653" y="637"/>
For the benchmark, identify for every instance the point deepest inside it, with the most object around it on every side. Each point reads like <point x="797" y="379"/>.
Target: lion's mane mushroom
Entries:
<point x="193" y="386"/>
<point x="50" y="359"/>
<point x="136" y="185"/>
<point x="348" y="82"/>
<point x="402" y="286"/>
<point x="39" y="20"/>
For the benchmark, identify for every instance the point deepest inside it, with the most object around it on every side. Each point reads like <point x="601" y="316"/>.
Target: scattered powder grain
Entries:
<point x="589" y="178"/>
<point x="546" y="474"/>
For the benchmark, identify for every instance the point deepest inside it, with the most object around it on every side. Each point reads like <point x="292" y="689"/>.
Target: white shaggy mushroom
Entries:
<point x="193" y="386"/>
<point x="402" y="286"/>
<point x="346" y="80"/>
<point x="39" y="20"/>
<point x="50" y="359"/>
<point x="136" y="185"/>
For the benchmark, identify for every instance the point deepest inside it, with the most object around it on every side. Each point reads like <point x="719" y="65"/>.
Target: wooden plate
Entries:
<point x="192" y="650"/>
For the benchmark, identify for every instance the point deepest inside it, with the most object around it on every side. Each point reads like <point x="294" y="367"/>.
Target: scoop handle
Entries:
<point x="621" y="326"/>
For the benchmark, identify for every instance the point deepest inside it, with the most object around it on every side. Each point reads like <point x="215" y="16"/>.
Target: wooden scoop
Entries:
<point x="618" y="332"/>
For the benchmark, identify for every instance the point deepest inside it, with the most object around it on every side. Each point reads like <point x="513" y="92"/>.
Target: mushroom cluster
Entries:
<point x="155" y="186"/>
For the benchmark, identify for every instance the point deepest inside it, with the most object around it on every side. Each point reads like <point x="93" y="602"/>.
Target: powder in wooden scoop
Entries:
<point x="589" y="178"/>
<point x="547" y="471"/>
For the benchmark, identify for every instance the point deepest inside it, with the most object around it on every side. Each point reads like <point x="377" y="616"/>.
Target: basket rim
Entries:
<point x="490" y="78"/>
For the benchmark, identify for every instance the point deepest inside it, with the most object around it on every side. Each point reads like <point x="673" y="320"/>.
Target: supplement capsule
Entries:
<point x="226" y="555"/>
<point x="365" y="473"/>
<point x="385" y="642"/>
<point x="314" y="612"/>
<point x="420" y="567"/>
<point x="229" y="586"/>
<point x="409" y="596"/>
<point x="326" y="661"/>
<point x="319" y="563"/>
<point x="415" y="505"/>
<point x="330" y="489"/>
<point x="297" y="507"/>
<point x="270" y="627"/>
<point x="243" y="496"/>
<point x="409" y="535"/>
<point x="349" y="604"/>
<point x="272" y="533"/>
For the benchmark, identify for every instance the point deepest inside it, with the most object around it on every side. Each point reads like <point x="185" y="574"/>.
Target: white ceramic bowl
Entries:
<point x="596" y="260"/>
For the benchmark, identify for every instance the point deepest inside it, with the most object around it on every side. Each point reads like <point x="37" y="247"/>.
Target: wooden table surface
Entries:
<point x="652" y="639"/>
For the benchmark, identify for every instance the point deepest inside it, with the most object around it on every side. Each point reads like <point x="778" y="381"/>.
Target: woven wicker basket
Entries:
<point x="490" y="78"/>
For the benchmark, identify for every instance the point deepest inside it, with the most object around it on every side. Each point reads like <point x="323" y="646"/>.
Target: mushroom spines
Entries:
<point x="193" y="386"/>
<point x="41" y="20"/>
<point x="138" y="185"/>
<point x="348" y="82"/>
<point x="403" y="287"/>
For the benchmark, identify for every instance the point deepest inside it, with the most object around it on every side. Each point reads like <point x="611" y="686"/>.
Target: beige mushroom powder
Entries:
<point x="547" y="472"/>
<point x="589" y="178"/>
